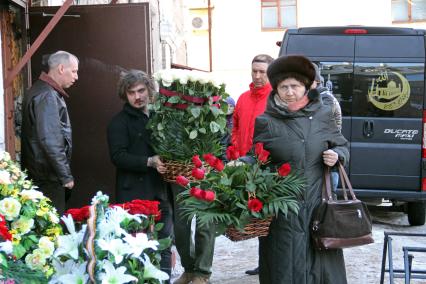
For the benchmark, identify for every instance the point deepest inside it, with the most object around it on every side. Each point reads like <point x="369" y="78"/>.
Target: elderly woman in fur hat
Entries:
<point x="299" y="129"/>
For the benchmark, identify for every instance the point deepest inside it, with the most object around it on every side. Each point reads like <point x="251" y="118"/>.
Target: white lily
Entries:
<point x="68" y="268"/>
<point x="139" y="243"/>
<point x="68" y="244"/>
<point x="69" y="223"/>
<point x="150" y="271"/>
<point x="76" y="276"/>
<point x="116" y="247"/>
<point x="115" y="276"/>
<point x="111" y="223"/>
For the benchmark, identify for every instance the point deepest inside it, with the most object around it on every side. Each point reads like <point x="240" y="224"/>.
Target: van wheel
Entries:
<point x="416" y="213"/>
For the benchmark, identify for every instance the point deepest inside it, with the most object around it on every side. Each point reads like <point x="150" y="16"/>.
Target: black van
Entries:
<point x="378" y="76"/>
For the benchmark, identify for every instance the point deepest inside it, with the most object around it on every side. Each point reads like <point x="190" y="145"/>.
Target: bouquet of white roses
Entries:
<point x="29" y="224"/>
<point x="189" y="114"/>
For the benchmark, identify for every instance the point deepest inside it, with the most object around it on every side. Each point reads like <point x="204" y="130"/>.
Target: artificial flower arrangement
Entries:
<point x="189" y="114"/>
<point x="112" y="244"/>
<point x="233" y="194"/>
<point x="29" y="227"/>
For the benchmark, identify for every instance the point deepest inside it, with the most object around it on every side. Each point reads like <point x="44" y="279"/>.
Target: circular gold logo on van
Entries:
<point x="388" y="94"/>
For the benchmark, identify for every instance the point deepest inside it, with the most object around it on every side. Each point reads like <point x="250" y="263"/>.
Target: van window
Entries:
<point x="338" y="79"/>
<point x="327" y="46"/>
<point x="388" y="90"/>
<point x="390" y="47"/>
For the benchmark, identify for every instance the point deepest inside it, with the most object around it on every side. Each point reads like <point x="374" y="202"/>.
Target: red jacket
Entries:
<point x="249" y="105"/>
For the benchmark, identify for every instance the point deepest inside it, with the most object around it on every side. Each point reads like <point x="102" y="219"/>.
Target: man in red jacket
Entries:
<point x="251" y="104"/>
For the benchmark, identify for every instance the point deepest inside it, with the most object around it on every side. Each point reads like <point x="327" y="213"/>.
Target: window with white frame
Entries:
<point x="408" y="10"/>
<point x="279" y="14"/>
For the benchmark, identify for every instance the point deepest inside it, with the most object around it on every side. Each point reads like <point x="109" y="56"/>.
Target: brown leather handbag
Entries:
<point x="340" y="224"/>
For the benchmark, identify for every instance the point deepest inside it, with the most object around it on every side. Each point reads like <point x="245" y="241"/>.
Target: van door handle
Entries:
<point x="368" y="128"/>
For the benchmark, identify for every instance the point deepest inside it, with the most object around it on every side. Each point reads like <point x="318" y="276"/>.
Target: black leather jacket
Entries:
<point x="46" y="135"/>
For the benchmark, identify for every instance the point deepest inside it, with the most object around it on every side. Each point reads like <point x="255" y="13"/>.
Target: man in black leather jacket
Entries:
<point x="46" y="129"/>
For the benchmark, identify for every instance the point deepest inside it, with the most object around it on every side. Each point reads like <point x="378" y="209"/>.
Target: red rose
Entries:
<point x="196" y="192"/>
<point x="5" y="234"/>
<point x="145" y="207"/>
<point x="79" y="214"/>
<point x="258" y="148"/>
<point x="219" y="166"/>
<point x="196" y="161"/>
<point x="198" y="173"/>
<point x="210" y="159"/>
<point x="263" y="157"/>
<point x="208" y="195"/>
<point x="284" y="170"/>
<point x="232" y="153"/>
<point x="181" y="180"/>
<point x="255" y="205"/>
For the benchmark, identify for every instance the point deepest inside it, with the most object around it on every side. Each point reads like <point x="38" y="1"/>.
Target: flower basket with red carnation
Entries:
<point x="147" y="208"/>
<point x="241" y="198"/>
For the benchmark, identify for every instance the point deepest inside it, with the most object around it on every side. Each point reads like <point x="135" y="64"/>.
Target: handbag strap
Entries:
<point x="345" y="180"/>
<point x="326" y="187"/>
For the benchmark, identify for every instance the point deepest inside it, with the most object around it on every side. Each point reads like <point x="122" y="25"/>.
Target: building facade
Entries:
<point x="240" y="29"/>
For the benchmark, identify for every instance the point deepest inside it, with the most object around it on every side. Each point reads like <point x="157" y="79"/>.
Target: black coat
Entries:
<point x="287" y="255"/>
<point x="46" y="135"/>
<point x="129" y="148"/>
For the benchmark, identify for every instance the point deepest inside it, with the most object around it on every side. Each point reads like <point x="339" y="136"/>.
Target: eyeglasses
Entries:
<point x="287" y="88"/>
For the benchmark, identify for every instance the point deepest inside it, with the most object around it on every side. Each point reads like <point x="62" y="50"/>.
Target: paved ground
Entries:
<point x="362" y="263"/>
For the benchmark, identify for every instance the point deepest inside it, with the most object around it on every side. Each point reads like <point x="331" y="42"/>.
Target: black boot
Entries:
<point x="253" y="271"/>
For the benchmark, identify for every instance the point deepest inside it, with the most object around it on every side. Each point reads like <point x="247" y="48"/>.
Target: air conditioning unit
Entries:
<point x="200" y="22"/>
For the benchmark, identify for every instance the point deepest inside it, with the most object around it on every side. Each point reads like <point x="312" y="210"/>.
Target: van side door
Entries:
<point x="387" y="110"/>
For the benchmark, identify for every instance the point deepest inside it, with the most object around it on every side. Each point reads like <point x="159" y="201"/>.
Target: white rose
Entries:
<point x="157" y="75"/>
<point x="4" y="156"/>
<point x="46" y="246"/>
<point x="36" y="260"/>
<point x="23" y="225"/>
<point x="31" y="194"/>
<point x="183" y="78"/>
<point x="176" y="73"/>
<point x="167" y="79"/>
<point x="10" y="208"/>
<point x="204" y="78"/>
<point x="4" y="177"/>
<point x="216" y="82"/>
<point x="192" y="76"/>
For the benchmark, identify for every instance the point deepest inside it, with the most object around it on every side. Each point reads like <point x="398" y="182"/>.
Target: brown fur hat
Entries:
<point x="291" y="66"/>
